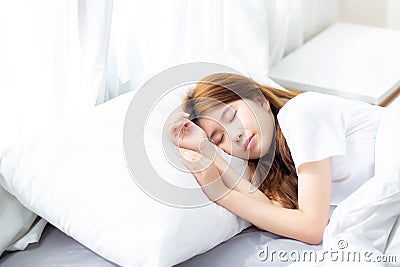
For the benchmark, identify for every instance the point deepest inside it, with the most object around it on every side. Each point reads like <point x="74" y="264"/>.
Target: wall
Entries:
<point x="394" y="14"/>
<point x="379" y="13"/>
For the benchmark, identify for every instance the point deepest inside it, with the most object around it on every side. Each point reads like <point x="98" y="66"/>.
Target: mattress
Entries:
<point x="57" y="249"/>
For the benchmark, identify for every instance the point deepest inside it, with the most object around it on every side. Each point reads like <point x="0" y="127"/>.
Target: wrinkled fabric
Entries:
<point x="368" y="220"/>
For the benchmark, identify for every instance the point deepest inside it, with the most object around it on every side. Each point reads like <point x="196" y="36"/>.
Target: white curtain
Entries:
<point x="148" y="36"/>
<point x="59" y="58"/>
<point x="52" y="61"/>
<point x="293" y="22"/>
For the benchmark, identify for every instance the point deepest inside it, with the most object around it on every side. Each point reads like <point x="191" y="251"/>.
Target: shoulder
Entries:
<point x="309" y="104"/>
<point x="314" y="126"/>
<point x="310" y="100"/>
<point x="312" y="111"/>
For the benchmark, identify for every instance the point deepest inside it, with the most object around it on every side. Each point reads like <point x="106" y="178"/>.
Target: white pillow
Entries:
<point x="18" y="225"/>
<point x="74" y="175"/>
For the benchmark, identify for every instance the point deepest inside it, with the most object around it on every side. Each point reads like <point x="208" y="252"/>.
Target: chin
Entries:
<point x="241" y="157"/>
<point x="256" y="157"/>
<point x="248" y="157"/>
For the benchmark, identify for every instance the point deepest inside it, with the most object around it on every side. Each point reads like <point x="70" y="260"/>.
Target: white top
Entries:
<point x="317" y="126"/>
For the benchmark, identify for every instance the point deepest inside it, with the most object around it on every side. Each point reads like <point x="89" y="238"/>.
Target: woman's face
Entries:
<point x="243" y="128"/>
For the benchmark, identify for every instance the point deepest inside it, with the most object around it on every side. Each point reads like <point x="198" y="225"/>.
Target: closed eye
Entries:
<point x="234" y="115"/>
<point x="222" y="136"/>
<point x="221" y="140"/>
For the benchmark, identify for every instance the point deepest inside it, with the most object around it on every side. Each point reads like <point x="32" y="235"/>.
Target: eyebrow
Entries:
<point x="222" y="115"/>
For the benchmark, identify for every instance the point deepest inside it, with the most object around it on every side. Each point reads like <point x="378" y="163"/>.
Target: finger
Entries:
<point x="182" y="150"/>
<point x="183" y="120"/>
<point x="177" y="117"/>
<point x="195" y="162"/>
<point x="187" y="157"/>
<point x="180" y="121"/>
<point x="182" y="115"/>
<point x="185" y="162"/>
<point x="178" y="125"/>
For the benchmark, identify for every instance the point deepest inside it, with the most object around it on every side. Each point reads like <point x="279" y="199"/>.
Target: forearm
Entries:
<point x="286" y="222"/>
<point x="231" y="178"/>
<point x="238" y="182"/>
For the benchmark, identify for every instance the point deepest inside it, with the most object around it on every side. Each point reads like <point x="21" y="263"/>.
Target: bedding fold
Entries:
<point x="366" y="224"/>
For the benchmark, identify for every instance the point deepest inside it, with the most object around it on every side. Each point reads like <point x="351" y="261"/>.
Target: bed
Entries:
<point x="57" y="249"/>
<point x="135" y="230"/>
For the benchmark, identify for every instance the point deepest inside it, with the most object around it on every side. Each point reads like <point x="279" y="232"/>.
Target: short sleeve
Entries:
<point x="314" y="127"/>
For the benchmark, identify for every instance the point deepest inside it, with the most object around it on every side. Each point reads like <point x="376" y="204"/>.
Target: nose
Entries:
<point x="238" y="138"/>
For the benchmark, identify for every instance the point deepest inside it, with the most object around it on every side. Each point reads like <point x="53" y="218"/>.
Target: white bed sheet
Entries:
<point x="56" y="249"/>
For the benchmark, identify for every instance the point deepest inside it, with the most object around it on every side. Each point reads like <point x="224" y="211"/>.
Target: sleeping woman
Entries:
<point x="304" y="151"/>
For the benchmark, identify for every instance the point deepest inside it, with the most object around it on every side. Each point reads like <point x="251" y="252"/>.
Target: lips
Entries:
<point x="248" y="142"/>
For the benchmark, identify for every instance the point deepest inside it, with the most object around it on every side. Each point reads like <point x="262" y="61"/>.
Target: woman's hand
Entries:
<point x="184" y="133"/>
<point x="205" y="172"/>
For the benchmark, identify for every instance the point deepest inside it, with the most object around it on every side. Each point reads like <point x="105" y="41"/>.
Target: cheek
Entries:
<point x="242" y="117"/>
<point x="247" y="121"/>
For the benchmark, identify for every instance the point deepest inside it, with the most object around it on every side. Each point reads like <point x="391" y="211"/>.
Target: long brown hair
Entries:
<point x="280" y="183"/>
